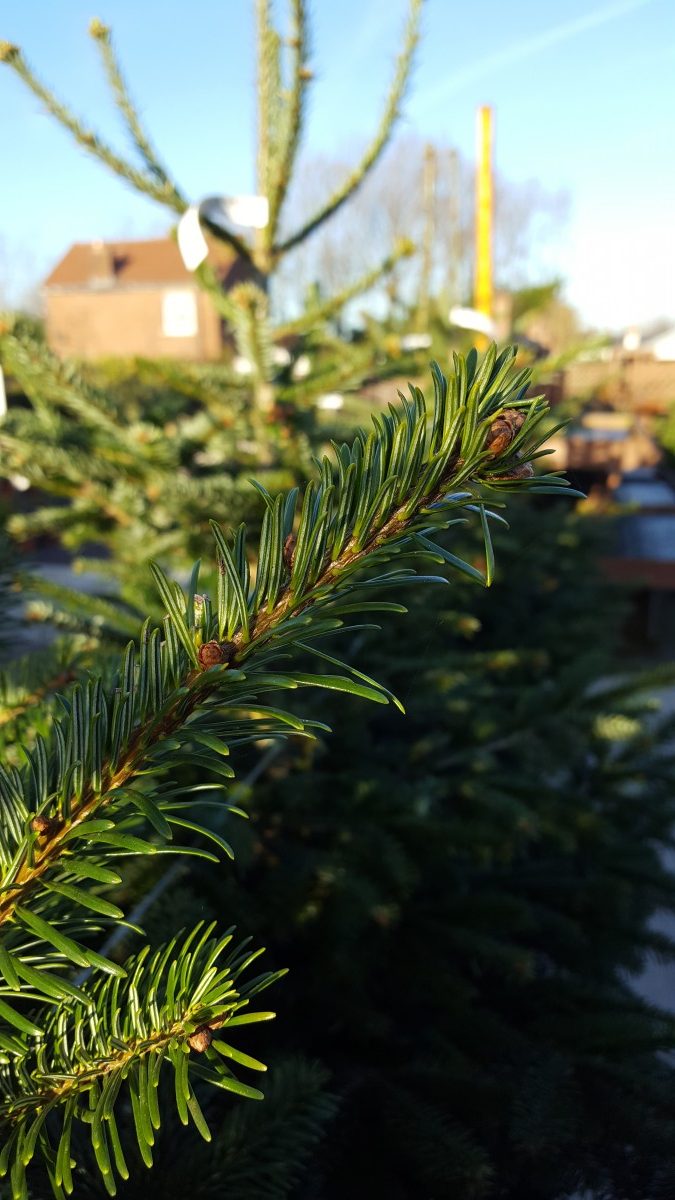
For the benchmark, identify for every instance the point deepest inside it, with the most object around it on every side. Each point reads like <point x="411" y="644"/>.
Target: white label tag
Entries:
<point x="251" y="212"/>
<point x="471" y="318"/>
<point x="248" y="212"/>
<point x="191" y="241"/>
<point x="3" y="394"/>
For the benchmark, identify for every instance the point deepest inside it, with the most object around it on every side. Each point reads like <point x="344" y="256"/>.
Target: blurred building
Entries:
<point x="132" y="298"/>
<point x="656" y="341"/>
<point x="642" y="557"/>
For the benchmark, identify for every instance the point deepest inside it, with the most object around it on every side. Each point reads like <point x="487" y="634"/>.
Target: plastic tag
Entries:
<point x="247" y="212"/>
<point x="191" y="241"/>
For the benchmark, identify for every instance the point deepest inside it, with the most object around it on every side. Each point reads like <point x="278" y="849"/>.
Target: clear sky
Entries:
<point x="584" y="95"/>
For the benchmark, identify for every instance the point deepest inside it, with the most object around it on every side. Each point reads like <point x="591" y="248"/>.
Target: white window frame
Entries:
<point x="180" y="318"/>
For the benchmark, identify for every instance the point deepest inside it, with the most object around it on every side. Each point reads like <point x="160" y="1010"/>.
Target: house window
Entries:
<point x="179" y="313"/>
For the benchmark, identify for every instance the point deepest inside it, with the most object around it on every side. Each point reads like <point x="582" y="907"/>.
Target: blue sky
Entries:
<point x="584" y="96"/>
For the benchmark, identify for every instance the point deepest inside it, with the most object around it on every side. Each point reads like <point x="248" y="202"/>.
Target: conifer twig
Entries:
<point x="291" y="131"/>
<point x="335" y="304"/>
<point x="358" y="528"/>
<point x="102" y="782"/>
<point x="379" y="143"/>
<point x="164" y="192"/>
<point x="102" y="36"/>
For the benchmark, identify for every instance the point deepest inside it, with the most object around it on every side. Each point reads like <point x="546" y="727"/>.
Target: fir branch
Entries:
<point x="171" y="1008"/>
<point x="347" y="369"/>
<point x="98" y="610"/>
<point x="207" y="278"/>
<point x="101" y="784"/>
<point x="102" y="36"/>
<point x="165" y="193"/>
<point x="260" y="1150"/>
<point x="380" y="141"/>
<point x="246" y="309"/>
<point x="332" y="306"/>
<point x="291" y="130"/>
<point x="46" y="378"/>
<point x="267" y="71"/>
<point x="19" y="692"/>
<point x="252" y="330"/>
<point x="390" y="491"/>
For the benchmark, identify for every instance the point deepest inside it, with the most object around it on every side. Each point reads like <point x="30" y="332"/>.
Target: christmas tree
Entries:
<point x="106" y="781"/>
<point x="464" y="897"/>
<point x="139" y="470"/>
<point x="461" y="895"/>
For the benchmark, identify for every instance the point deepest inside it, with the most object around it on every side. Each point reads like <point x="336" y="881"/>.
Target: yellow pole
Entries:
<point x="483" y="260"/>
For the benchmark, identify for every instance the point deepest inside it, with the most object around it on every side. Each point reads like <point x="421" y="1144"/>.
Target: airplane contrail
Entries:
<point x="523" y="49"/>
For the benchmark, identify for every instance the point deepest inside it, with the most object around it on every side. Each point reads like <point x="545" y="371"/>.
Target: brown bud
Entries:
<point x="211" y="654"/>
<point x="201" y="1039"/>
<point x="44" y="826"/>
<point x="503" y="430"/>
<point x="289" y="550"/>
<point x="305" y="74"/>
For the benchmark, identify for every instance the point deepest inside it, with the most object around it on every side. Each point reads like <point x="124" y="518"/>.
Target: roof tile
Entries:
<point x="142" y="262"/>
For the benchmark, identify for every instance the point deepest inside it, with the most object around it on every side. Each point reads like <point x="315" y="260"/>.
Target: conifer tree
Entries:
<point x="104" y="781"/>
<point x="283" y="79"/>
<point x="472" y="891"/>
<point x="142" y="473"/>
<point x="133" y="480"/>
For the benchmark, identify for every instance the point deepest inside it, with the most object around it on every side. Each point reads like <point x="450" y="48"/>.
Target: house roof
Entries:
<point x="124" y="263"/>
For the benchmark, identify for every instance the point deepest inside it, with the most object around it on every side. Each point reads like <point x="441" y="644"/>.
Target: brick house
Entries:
<point x="132" y="298"/>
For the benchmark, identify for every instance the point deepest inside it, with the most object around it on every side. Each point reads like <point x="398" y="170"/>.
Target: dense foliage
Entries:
<point x="462" y="896"/>
<point x="462" y="893"/>
<point x="103" y="782"/>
